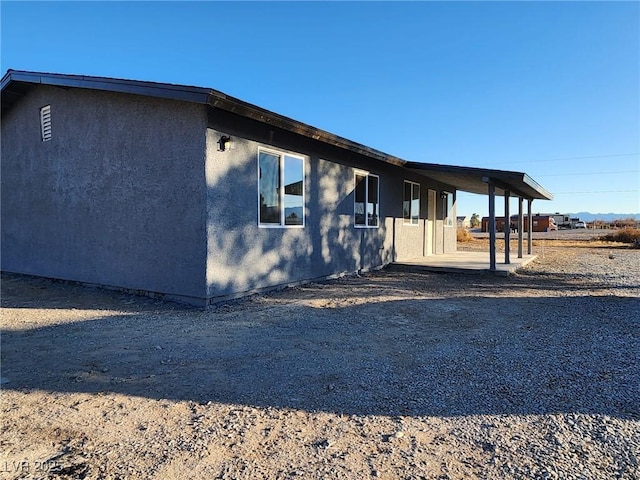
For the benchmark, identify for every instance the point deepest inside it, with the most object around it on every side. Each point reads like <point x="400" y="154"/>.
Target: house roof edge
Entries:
<point x="216" y="99"/>
<point x="206" y="96"/>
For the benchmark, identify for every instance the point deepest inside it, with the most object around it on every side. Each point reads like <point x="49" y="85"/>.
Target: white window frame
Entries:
<point x="448" y="217"/>
<point x="281" y="155"/>
<point x="410" y="222"/>
<point x="365" y="174"/>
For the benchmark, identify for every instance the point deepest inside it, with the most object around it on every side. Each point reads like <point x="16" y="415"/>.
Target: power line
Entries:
<point x="590" y="173"/>
<point x="601" y="191"/>
<point x="570" y="158"/>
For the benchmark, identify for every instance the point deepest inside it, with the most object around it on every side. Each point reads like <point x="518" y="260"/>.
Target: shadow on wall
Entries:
<point x="394" y="357"/>
<point x="244" y="257"/>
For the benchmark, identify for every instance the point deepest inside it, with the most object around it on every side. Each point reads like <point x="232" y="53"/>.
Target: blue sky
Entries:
<point x="547" y="88"/>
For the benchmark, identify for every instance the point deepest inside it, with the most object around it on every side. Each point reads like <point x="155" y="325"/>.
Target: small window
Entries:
<point x="448" y="208"/>
<point x="366" y="204"/>
<point x="45" y="123"/>
<point x="411" y="203"/>
<point x="280" y="190"/>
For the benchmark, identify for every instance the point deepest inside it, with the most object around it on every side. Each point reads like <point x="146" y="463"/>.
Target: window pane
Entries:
<point x="406" y="203"/>
<point x="372" y="202"/>
<point x="449" y="210"/>
<point x="293" y="191"/>
<point x="360" y="199"/>
<point x="269" y="188"/>
<point x="415" y="203"/>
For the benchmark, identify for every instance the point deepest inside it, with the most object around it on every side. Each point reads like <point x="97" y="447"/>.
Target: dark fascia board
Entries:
<point x="546" y="195"/>
<point x="206" y="96"/>
<point x="225" y="102"/>
<point x="152" y="89"/>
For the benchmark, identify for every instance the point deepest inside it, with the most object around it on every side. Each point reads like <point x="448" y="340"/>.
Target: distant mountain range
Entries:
<point x="607" y="217"/>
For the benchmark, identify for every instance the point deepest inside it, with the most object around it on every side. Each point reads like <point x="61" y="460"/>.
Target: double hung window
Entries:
<point x="280" y="189"/>
<point x="366" y="206"/>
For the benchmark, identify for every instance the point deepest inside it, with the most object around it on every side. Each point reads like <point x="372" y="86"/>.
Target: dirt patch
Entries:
<point x="388" y="375"/>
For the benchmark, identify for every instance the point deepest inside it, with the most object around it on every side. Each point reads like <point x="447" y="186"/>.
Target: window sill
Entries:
<point x="281" y="226"/>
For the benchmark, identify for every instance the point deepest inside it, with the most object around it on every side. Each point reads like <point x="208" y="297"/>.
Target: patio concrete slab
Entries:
<point x="463" y="262"/>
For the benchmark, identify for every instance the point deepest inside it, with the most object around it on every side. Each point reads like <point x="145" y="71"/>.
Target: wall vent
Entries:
<point x="45" y="122"/>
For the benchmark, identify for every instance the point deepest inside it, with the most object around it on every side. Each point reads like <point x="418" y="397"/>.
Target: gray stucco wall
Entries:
<point x="241" y="256"/>
<point x="450" y="232"/>
<point x="116" y="197"/>
<point x="411" y="240"/>
<point x="132" y="192"/>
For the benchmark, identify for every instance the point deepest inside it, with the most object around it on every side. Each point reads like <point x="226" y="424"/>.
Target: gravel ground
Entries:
<point x="387" y="376"/>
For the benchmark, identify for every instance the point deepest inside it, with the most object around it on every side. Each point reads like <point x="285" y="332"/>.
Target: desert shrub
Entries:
<point x="624" y="223"/>
<point x="463" y="235"/>
<point x="625" y="235"/>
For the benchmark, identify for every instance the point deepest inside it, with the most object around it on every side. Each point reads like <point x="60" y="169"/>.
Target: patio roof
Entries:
<point x="476" y="180"/>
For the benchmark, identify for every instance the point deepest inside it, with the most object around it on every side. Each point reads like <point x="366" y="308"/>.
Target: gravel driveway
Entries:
<point x="389" y="375"/>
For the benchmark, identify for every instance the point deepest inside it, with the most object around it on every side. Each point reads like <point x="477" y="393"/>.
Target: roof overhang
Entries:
<point x="476" y="180"/>
<point x="16" y="84"/>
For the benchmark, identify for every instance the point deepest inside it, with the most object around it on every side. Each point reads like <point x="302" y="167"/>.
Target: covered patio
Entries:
<point x="461" y="262"/>
<point x="491" y="183"/>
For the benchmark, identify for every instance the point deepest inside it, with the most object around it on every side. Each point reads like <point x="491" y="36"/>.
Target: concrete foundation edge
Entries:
<point x="200" y="302"/>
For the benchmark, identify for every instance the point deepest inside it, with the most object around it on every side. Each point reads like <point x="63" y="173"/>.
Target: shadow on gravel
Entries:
<point x="443" y="356"/>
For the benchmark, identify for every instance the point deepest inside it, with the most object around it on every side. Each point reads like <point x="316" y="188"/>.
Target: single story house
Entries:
<point x="463" y="221"/>
<point x="192" y="195"/>
<point x="499" y="224"/>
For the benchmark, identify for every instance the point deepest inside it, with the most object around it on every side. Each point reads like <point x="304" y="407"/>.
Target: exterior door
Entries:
<point x="430" y="233"/>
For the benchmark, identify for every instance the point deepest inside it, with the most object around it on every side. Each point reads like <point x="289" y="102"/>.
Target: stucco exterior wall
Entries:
<point x="116" y="197"/>
<point x="242" y="256"/>
<point x="133" y="192"/>
<point x="449" y="243"/>
<point x="411" y="240"/>
<point x="450" y="231"/>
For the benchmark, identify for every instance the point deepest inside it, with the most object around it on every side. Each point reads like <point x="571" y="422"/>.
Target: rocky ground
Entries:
<point x="385" y="376"/>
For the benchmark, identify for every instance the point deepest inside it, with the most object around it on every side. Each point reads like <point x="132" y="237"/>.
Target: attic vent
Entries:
<point x="45" y="122"/>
